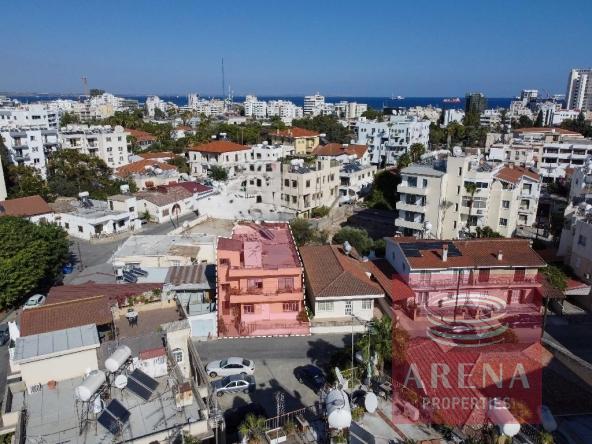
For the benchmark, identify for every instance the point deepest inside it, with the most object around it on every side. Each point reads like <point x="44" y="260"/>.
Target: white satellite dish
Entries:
<point x="120" y="382"/>
<point x="370" y="402"/>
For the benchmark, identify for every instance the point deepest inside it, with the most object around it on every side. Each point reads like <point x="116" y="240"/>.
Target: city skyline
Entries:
<point x="420" y="50"/>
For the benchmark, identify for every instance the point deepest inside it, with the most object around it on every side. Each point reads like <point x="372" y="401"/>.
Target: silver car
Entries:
<point x="34" y="301"/>
<point x="230" y="366"/>
<point x="234" y="384"/>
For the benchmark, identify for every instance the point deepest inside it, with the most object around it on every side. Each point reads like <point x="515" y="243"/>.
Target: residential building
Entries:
<point x="220" y="153"/>
<point x="579" y="90"/>
<point x="141" y="138"/>
<point x="307" y="185"/>
<point x="343" y="153"/>
<point x="160" y="156"/>
<point x="342" y="296"/>
<point x="166" y="203"/>
<point x="153" y="103"/>
<point x="350" y="110"/>
<point x="475" y="103"/>
<point x="303" y="140"/>
<point x="453" y="115"/>
<point x="265" y="152"/>
<point x="87" y="218"/>
<point x="35" y="115"/>
<point x="30" y="146"/>
<point x="213" y="107"/>
<point x="284" y="109"/>
<point x="388" y="140"/>
<point x="429" y="274"/>
<point x="259" y="282"/>
<point x="355" y="181"/>
<point x="147" y="173"/>
<point x="313" y="105"/>
<point x="32" y="208"/>
<point x="435" y="201"/>
<point x="575" y="245"/>
<point x="105" y="142"/>
<point x="194" y="289"/>
<point x="254" y="108"/>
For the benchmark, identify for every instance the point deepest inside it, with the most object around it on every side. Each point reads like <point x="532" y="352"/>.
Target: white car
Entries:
<point x="34" y="301"/>
<point x="230" y="366"/>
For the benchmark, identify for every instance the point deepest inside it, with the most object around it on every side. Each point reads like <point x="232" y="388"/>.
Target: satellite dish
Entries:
<point x="370" y="402"/>
<point x="120" y="382"/>
<point x="347" y="247"/>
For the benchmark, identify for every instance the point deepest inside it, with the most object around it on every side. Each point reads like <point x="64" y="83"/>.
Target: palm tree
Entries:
<point x="385" y="341"/>
<point x="471" y="188"/>
<point x="253" y="429"/>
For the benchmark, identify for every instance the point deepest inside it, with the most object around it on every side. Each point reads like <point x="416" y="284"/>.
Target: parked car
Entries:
<point x="4" y="334"/>
<point x="230" y="366"/>
<point x="34" y="301"/>
<point x="311" y="376"/>
<point x="234" y="384"/>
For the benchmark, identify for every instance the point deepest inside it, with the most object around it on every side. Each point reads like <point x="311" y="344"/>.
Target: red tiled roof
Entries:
<point x="227" y="244"/>
<point x="391" y="282"/>
<point x="337" y="149"/>
<point x="218" y="147"/>
<point x="194" y="187"/>
<point x="152" y="353"/>
<point x="330" y="272"/>
<point x="513" y="174"/>
<point x="141" y="136"/>
<point x="157" y="155"/>
<point x="184" y="128"/>
<point x="296" y="132"/>
<point x="67" y="314"/>
<point x="164" y="195"/>
<point x="546" y="131"/>
<point x="116" y="293"/>
<point x="24" y="207"/>
<point x="475" y="253"/>
<point x="139" y="167"/>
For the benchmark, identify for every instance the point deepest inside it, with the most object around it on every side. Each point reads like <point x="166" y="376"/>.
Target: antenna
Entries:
<point x="85" y="85"/>
<point x="223" y="80"/>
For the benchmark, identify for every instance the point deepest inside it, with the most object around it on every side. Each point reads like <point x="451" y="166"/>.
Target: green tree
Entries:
<point x="159" y="114"/>
<point x="218" y="173"/>
<point x="486" y="232"/>
<point x="357" y="237"/>
<point x="555" y="277"/>
<point x="328" y="125"/>
<point x="471" y="188"/>
<point x="320" y="211"/>
<point x="181" y="163"/>
<point x="253" y="429"/>
<point x="523" y="122"/>
<point x="373" y="114"/>
<point x="68" y="119"/>
<point x="416" y="150"/>
<point x="385" y="341"/>
<point x="578" y="125"/>
<point x="403" y="161"/>
<point x="302" y="231"/>
<point x="539" y="119"/>
<point x="24" y="180"/>
<point x="31" y="256"/>
<point x="438" y="135"/>
<point x="384" y="190"/>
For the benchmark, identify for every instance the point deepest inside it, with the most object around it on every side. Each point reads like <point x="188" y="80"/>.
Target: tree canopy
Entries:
<point x="357" y="237"/>
<point x="31" y="256"/>
<point x="578" y="125"/>
<point x="384" y="191"/>
<point x="328" y="125"/>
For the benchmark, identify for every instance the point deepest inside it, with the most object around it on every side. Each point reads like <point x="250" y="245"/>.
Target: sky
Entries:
<point x="417" y="48"/>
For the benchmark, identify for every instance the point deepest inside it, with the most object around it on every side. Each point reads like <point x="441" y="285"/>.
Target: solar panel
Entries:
<point x="138" y="389"/>
<point x="117" y="409"/>
<point x="144" y="379"/>
<point x="109" y="422"/>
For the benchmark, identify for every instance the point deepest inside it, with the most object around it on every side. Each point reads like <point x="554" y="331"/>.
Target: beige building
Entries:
<point x="434" y="200"/>
<point x="106" y="142"/>
<point x="220" y="153"/>
<point x="304" y="141"/>
<point x="305" y="186"/>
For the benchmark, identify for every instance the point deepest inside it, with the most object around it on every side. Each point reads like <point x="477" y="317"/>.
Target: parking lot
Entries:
<point x="275" y="360"/>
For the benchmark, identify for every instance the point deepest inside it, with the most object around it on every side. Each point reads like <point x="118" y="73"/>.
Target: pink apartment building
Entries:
<point x="259" y="282"/>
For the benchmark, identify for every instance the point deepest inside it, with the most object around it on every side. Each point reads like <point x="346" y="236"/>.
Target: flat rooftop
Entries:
<point x="160" y="245"/>
<point x="95" y="209"/>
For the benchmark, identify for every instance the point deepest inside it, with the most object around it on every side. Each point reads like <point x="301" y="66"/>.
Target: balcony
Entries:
<point x="466" y="282"/>
<point x="416" y="208"/>
<point x="405" y="189"/>
<point x="401" y="222"/>
<point x="20" y="157"/>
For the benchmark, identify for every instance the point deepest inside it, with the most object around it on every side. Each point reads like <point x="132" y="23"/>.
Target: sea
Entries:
<point x="372" y="102"/>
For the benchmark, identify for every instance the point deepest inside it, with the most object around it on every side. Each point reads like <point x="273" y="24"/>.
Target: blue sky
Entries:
<point x="356" y="48"/>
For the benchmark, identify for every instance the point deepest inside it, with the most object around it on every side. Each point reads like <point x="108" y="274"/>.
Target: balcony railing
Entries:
<point x="259" y="291"/>
<point x="420" y="283"/>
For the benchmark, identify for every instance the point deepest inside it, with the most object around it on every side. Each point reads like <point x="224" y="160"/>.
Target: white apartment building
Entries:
<point x="313" y="105"/>
<point x="434" y="200"/>
<point x="579" y="90"/>
<point x="231" y="156"/>
<point x="453" y="115"/>
<point x="575" y="245"/>
<point x="284" y="109"/>
<point x="29" y="116"/>
<point x="106" y="142"/>
<point x="355" y="181"/>
<point x="350" y="110"/>
<point x="213" y="107"/>
<point x="30" y="146"/>
<point x="268" y="152"/>
<point x="153" y="103"/>
<point x="254" y="108"/>
<point x="388" y="140"/>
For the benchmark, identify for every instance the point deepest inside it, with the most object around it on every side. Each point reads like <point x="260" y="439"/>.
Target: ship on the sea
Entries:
<point x="452" y="100"/>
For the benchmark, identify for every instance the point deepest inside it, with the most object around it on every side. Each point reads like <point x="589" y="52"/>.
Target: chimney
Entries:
<point x="500" y="255"/>
<point x="444" y="252"/>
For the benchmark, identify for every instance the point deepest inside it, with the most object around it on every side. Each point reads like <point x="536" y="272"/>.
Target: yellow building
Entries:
<point x="304" y="141"/>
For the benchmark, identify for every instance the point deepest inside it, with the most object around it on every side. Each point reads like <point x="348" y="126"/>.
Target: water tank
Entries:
<point x="499" y="415"/>
<point x="90" y="385"/>
<point x="118" y="358"/>
<point x="338" y="409"/>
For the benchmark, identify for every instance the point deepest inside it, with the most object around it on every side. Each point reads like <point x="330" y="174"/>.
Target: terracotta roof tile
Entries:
<point x="218" y="147"/>
<point x="139" y="167"/>
<point x="337" y="149"/>
<point x="546" y="131"/>
<point x="296" y="132"/>
<point x="67" y="314"/>
<point x="330" y="273"/>
<point x="164" y="195"/>
<point x="195" y="187"/>
<point x="24" y="207"/>
<point x="391" y="282"/>
<point x="141" y="136"/>
<point x="474" y="253"/>
<point x="152" y="353"/>
<point x="513" y="174"/>
<point x="157" y="155"/>
<point x="116" y="293"/>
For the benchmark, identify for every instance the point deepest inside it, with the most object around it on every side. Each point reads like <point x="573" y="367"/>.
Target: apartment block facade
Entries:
<point x="105" y="142"/>
<point x="579" y="90"/>
<point x="30" y="146"/>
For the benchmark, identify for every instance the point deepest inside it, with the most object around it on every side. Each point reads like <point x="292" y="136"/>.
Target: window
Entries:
<point x="367" y="304"/>
<point x="308" y="184"/>
<point x="285" y="283"/>
<point x="484" y="275"/>
<point x="254" y="283"/>
<point x="248" y="308"/>
<point x="505" y="204"/>
<point x="291" y="306"/>
<point x="503" y="222"/>
<point x="325" y="306"/>
<point x="224" y="261"/>
<point x="459" y="171"/>
<point x="80" y="229"/>
<point x="519" y="274"/>
<point x="348" y="308"/>
<point x="177" y="355"/>
<point x="165" y="212"/>
<point x="582" y="240"/>
<point x="66" y="225"/>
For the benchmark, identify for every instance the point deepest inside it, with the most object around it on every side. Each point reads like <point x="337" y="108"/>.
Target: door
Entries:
<point x="348" y="308"/>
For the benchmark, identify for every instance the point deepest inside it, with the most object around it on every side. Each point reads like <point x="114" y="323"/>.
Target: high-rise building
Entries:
<point x="579" y="90"/>
<point x="475" y="103"/>
<point x="313" y="105"/>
